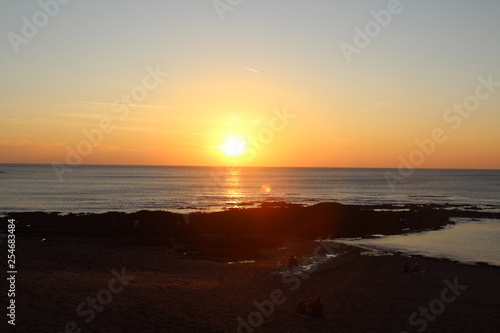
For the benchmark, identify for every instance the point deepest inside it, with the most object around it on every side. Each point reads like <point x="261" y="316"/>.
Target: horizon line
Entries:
<point x="245" y="166"/>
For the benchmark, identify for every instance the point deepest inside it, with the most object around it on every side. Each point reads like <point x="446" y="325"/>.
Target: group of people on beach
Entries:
<point x="313" y="308"/>
<point x="406" y="268"/>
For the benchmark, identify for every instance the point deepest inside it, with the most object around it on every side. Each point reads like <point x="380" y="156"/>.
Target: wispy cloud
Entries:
<point x="195" y="146"/>
<point x="29" y="143"/>
<point x="252" y="70"/>
<point x="77" y="115"/>
<point x="230" y="121"/>
<point x="131" y="105"/>
<point x="235" y="122"/>
<point x="192" y="144"/>
<point x="376" y="105"/>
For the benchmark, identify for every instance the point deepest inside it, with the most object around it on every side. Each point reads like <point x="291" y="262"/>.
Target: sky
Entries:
<point x="316" y="83"/>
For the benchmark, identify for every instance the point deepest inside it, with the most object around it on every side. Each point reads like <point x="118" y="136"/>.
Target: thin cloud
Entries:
<point x="252" y="70"/>
<point x="29" y="143"/>
<point x="131" y="105"/>
<point x="228" y="121"/>
<point x="191" y="144"/>
<point x="375" y="105"/>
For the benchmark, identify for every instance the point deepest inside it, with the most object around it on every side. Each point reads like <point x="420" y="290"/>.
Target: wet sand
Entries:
<point x="180" y="293"/>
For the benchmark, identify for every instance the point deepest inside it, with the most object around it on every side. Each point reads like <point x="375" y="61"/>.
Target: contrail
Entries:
<point x="253" y="70"/>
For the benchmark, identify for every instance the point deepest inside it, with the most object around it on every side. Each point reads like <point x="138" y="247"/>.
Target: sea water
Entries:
<point x="89" y="188"/>
<point x="468" y="241"/>
<point x="92" y="188"/>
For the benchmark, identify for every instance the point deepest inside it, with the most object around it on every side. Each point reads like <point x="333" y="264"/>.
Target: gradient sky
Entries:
<point x="227" y="79"/>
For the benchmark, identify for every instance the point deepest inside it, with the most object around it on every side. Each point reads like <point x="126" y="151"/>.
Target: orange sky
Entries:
<point x="230" y="79"/>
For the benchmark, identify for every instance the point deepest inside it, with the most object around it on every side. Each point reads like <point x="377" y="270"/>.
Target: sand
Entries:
<point x="178" y="293"/>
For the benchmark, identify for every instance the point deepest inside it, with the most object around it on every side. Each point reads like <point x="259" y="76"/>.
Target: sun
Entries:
<point x="233" y="147"/>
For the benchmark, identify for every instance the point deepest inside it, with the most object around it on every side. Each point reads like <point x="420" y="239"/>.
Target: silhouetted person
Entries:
<point x="301" y="308"/>
<point x="169" y="245"/>
<point x="315" y="308"/>
<point x="406" y="268"/>
<point x="293" y="261"/>
<point x="416" y="269"/>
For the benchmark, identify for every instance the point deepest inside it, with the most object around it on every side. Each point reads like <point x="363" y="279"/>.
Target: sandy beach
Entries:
<point x="145" y="289"/>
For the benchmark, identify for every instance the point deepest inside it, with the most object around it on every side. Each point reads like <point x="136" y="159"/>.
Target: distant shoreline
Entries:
<point x="242" y="230"/>
<point x="269" y="224"/>
<point x="453" y="210"/>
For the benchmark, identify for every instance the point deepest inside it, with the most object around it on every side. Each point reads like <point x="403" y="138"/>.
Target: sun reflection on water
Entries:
<point x="234" y="194"/>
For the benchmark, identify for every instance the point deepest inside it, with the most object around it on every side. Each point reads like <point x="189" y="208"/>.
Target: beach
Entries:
<point x="165" y="292"/>
<point x="157" y="271"/>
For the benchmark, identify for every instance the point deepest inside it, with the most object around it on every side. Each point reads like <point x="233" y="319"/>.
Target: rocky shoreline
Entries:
<point x="241" y="229"/>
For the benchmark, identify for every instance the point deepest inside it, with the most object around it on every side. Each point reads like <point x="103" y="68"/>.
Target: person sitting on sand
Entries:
<point x="315" y="308"/>
<point x="406" y="268"/>
<point x="416" y="269"/>
<point x="301" y="308"/>
<point x="293" y="261"/>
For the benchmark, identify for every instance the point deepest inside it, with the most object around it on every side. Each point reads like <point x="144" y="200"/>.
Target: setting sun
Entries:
<point x="233" y="147"/>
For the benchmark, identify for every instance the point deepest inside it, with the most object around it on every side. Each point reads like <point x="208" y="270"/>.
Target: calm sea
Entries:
<point x="468" y="241"/>
<point x="186" y="189"/>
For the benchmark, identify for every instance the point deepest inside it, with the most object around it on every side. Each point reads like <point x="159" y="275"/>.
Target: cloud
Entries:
<point x="376" y="105"/>
<point x="130" y="105"/>
<point x="28" y="143"/>
<point x="232" y="121"/>
<point x="251" y="69"/>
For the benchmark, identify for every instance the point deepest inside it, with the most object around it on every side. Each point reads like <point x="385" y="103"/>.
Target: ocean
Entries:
<point x="92" y="188"/>
<point x="99" y="188"/>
